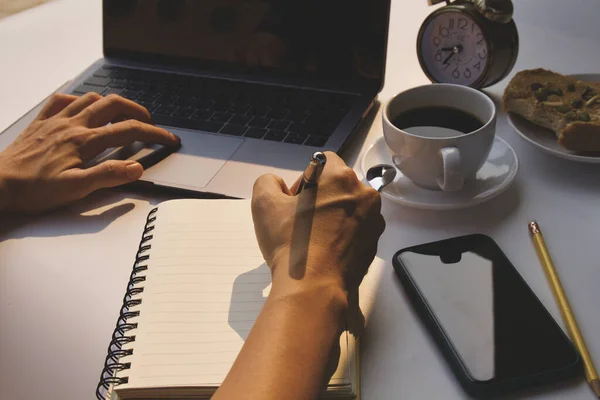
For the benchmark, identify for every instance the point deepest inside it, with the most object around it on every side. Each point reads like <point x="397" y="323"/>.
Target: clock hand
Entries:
<point x="448" y="58"/>
<point x="455" y="50"/>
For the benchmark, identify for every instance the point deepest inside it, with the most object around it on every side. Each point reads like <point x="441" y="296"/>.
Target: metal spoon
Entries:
<point x="379" y="176"/>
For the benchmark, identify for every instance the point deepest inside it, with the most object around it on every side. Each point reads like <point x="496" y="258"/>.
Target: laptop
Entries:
<point x="251" y="87"/>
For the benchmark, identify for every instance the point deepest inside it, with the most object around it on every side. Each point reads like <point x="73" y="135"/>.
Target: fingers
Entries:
<point x="269" y="186"/>
<point x="296" y="184"/>
<point x="112" y="108"/>
<point x="105" y="175"/>
<point x="337" y="169"/>
<point x="334" y="161"/>
<point x="126" y="132"/>
<point x="56" y="104"/>
<point x="80" y="104"/>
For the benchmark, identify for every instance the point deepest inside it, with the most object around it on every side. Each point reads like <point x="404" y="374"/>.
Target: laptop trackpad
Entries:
<point x="198" y="160"/>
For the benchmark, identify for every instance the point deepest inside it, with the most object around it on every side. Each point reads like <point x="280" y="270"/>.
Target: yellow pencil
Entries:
<point x="542" y="252"/>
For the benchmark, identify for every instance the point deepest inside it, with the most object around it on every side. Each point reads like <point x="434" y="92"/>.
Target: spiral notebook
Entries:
<point x="197" y="286"/>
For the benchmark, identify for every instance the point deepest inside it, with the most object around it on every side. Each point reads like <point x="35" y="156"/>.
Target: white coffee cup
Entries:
<point x="438" y="158"/>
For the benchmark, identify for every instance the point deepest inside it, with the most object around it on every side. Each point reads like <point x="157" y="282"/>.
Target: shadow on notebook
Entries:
<point x="249" y="293"/>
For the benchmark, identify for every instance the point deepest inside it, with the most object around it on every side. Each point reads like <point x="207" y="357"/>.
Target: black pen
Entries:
<point x="313" y="171"/>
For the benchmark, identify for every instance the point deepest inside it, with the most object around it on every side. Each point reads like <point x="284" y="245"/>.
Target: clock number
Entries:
<point x="436" y="41"/>
<point x="482" y="40"/>
<point x="478" y="66"/>
<point x="444" y="32"/>
<point x="438" y="56"/>
<point x="455" y="74"/>
<point x="483" y="54"/>
<point x="467" y="73"/>
<point x="472" y="27"/>
<point x="451" y="24"/>
<point x="462" y="23"/>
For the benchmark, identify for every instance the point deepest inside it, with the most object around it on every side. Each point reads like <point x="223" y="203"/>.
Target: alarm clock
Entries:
<point x="469" y="42"/>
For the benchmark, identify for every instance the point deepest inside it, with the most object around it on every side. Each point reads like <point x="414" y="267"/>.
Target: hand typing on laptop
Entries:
<point x="319" y="246"/>
<point x="42" y="168"/>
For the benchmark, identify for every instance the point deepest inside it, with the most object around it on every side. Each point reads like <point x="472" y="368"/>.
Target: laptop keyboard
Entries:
<point x="275" y="113"/>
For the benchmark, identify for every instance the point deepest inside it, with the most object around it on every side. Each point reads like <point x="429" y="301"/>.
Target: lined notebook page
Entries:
<point x="205" y="286"/>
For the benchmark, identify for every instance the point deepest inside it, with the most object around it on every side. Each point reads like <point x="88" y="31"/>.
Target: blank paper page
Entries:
<point x="205" y="286"/>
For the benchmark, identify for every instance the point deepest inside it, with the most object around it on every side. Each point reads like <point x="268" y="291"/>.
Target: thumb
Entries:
<point x="296" y="184"/>
<point x="270" y="185"/>
<point x="109" y="174"/>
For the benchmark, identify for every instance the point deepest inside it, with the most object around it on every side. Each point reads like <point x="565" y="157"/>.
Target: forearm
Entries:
<point x="286" y="354"/>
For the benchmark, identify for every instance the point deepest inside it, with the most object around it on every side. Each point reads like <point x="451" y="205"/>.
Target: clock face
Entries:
<point x="454" y="49"/>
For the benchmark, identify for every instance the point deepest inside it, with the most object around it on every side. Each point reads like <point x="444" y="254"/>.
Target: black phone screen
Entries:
<point x="496" y="324"/>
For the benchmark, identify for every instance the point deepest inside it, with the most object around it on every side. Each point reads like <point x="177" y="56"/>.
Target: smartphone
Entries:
<point x="492" y="329"/>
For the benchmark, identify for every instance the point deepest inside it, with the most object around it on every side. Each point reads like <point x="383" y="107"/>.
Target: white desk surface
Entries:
<point x="62" y="276"/>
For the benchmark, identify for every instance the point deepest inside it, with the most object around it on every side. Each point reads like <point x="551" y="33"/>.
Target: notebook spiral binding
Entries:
<point x="112" y="364"/>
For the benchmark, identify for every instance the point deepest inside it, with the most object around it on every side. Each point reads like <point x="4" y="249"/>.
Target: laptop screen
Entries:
<point x="321" y="39"/>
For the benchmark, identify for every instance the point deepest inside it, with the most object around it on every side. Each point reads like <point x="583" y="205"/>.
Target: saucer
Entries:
<point x="493" y="178"/>
<point x="544" y="139"/>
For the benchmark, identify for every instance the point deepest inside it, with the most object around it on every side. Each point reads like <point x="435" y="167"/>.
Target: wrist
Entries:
<point x="323" y="289"/>
<point x="321" y="301"/>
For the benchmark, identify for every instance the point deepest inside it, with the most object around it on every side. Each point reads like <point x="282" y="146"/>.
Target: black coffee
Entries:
<point x="441" y="117"/>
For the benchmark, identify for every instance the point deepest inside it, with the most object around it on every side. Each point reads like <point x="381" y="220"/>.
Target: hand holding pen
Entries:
<point x="330" y="236"/>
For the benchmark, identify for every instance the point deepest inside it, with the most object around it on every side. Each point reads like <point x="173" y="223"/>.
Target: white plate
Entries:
<point x="493" y="178"/>
<point x="545" y="139"/>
